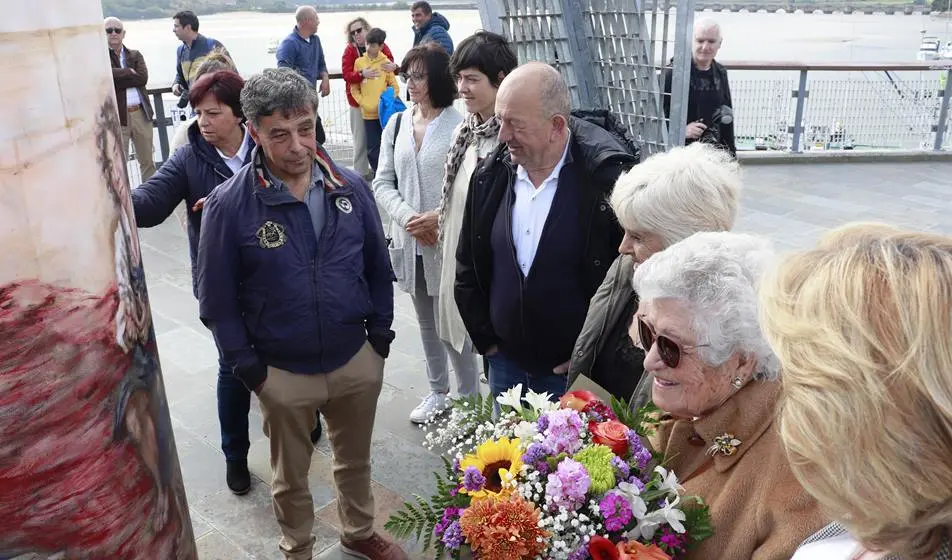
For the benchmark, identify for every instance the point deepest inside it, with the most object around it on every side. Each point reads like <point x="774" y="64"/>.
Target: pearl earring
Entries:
<point x="737" y="382"/>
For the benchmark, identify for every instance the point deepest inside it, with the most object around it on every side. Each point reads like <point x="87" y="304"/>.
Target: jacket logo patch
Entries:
<point x="344" y="205"/>
<point x="271" y="235"/>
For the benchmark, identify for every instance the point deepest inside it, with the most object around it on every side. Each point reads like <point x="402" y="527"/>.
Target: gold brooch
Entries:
<point x="725" y="444"/>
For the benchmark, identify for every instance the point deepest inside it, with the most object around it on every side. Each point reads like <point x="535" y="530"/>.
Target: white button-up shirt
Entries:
<point x="132" y="94"/>
<point x="236" y="161"/>
<point x="530" y="211"/>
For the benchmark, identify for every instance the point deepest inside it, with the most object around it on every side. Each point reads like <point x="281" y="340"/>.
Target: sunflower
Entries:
<point x="497" y="461"/>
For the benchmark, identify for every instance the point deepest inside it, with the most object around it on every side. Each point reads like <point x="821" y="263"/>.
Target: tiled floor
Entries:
<point x="792" y="204"/>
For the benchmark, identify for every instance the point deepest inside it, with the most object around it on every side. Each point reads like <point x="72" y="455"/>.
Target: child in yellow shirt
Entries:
<point x="367" y="92"/>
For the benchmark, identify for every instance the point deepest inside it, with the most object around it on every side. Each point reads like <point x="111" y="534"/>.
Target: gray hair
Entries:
<point x="716" y="274"/>
<point x="277" y="90"/>
<point x="555" y="95"/>
<point x="708" y="23"/>
<point x="679" y="193"/>
<point x="304" y="13"/>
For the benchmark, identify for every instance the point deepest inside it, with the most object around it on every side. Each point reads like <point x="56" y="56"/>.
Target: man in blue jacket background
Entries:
<point x="430" y="26"/>
<point x="294" y="281"/>
<point x="302" y="52"/>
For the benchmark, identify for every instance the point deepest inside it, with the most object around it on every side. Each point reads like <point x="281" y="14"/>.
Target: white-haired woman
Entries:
<point x="862" y="325"/>
<point x="665" y="199"/>
<point x="715" y="380"/>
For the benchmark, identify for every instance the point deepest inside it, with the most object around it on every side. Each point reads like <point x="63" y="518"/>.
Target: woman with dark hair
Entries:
<point x="357" y="30"/>
<point x="408" y="186"/>
<point x="218" y="146"/>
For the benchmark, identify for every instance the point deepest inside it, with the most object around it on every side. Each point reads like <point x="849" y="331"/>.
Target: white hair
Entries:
<point x="679" y="193"/>
<point x="716" y="274"/>
<point x="708" y="23"/>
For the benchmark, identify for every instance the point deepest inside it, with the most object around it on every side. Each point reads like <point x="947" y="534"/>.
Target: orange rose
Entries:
<point x="613" y="434"/>
<point x="577" y="400"/>
<point x="634" y="550"/>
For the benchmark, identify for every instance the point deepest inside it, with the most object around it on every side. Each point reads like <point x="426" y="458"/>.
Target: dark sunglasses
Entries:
<point x="116" y="30"/>
<point x="669" y="350"/>
<point x="356" y="31"/>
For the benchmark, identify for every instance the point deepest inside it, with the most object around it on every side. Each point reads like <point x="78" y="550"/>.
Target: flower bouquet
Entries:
<point x="551" y="480"/>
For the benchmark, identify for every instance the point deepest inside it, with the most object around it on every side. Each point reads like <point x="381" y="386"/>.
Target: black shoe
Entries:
<point x="316" y="432"/>
<point x="238" y="477"/>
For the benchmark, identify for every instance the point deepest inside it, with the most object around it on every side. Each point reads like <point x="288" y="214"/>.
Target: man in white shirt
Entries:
<point x="130" y="76"/>
<point x="538" y="234"/>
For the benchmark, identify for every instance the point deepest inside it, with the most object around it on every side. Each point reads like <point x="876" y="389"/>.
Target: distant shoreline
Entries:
<point x="788" y="6"/>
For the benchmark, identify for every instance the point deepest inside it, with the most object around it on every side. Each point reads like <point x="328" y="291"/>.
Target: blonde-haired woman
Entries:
<point x="665" y="199"/>
<point x="863" y="329"/>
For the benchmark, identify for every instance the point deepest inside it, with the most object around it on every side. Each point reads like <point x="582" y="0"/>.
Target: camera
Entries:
<point x="183" y="100"/>
<point x="723" y="115"/>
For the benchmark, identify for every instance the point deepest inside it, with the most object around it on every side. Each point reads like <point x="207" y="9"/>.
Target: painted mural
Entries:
<point x="88" y="466"/>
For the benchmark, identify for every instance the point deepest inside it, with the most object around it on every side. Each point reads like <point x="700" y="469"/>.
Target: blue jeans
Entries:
<point x="504" y="375"/>
<point x="234" y="402"/>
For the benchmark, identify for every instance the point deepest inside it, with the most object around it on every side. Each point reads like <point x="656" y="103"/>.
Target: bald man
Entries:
<point x="130" y="76"/>
<point x="538" y="234"/>
<point x="302" y="52"/>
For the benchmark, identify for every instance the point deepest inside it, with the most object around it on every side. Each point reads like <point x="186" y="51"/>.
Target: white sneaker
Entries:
<point x="432" y="404"/>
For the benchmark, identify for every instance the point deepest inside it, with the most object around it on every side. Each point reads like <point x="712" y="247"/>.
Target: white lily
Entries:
<point x="512" y="398"/>
<point x="669" y="482"/>
<point x="633" y="494"/>
<point x="669" y="514"/>
<point x="540" y="402"/>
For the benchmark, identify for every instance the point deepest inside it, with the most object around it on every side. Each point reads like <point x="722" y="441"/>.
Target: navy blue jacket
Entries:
<point x="190" y="174"/>
<point x="436" y="30"/>
<point x="305" y="58"/>
<point x="274" y="294"/>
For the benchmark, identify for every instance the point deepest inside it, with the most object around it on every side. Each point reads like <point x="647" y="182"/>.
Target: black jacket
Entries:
<point x="595" y="154"/>
<point x="723" y="87"/>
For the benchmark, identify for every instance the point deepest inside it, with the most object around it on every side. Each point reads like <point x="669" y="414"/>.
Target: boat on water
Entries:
<point x="273" y="46"/>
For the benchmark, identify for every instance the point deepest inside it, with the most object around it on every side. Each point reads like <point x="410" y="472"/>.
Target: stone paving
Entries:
<point x="792" y="204"/>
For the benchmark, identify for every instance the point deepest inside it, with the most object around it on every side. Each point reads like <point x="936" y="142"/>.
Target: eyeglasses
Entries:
<point x="356" y="31"/>
<point x="415" y="77"/>
<point x="669" y="350"/>
<point x="116" y="30"/>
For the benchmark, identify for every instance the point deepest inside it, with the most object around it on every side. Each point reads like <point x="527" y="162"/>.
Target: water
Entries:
<point x="747" y="36"/>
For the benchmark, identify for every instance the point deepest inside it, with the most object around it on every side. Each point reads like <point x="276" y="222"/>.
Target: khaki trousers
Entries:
<point x="347" y="398"/>
<point x="361" y="162"/>
<point x="139" y="129"/>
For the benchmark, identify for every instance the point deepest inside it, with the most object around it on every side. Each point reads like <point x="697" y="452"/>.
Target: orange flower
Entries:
<point x="577" y="400"/>
<point x="634" y="550"/>
<point x="612" y="434"/>
<point x="503" y="530"/>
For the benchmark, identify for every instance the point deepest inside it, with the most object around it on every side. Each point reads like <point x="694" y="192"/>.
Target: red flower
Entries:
<point x="613" y="434"/>
<point x="577" y="400"/>
<point x="601" y="548"/>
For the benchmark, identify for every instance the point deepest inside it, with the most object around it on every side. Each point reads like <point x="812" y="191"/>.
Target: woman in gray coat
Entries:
<point x="665" y="199"/>
<point x="408" y="186"/>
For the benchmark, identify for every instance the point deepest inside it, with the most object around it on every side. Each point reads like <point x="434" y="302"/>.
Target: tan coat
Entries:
<point x="758" y="509"/>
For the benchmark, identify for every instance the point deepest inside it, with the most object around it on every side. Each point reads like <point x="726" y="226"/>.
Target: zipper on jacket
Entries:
<point x="512" y="243"/>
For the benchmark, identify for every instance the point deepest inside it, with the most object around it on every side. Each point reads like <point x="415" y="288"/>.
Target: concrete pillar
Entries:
<point x="88" y="466"/>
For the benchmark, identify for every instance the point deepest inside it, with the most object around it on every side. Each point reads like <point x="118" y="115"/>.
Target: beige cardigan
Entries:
<point x="758" y="509"/>
<point x="450" y="325"/>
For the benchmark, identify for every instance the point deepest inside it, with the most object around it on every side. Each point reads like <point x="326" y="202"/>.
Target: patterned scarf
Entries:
<point x="469" y="133"/>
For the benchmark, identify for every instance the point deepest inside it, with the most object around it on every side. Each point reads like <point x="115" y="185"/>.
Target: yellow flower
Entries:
<point x="499" y="462"/>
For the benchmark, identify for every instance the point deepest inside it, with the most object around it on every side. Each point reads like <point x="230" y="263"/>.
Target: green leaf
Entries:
<point x="697" y="519"/>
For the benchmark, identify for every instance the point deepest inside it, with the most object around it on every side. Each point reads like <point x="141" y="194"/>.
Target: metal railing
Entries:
<point x="796" y="107"/>
<point x="779" y="106"/>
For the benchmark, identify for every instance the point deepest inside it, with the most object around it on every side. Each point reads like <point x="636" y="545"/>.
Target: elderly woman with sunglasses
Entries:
<point x="665" y="199"/>
<point x="715" y="381"/>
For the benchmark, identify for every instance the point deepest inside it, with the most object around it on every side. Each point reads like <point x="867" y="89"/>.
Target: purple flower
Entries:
<point x="542" y="423"/>
<point x="640" y="455"/>
<point x="637" y="482"/>
<point x="621" y="468"/>
<point x="535" y="453"/>
<point x="581" y="553"/>
<point x="673" y="540"/>
<point x="568" y="484"/>
<point x="615" y="510"/>
<point x="450" y="515"/>
<point x="473" y="480"/>
<point x="562" y="434"/>
<point x="456" y="465"/>
<point x="453" y="536"/>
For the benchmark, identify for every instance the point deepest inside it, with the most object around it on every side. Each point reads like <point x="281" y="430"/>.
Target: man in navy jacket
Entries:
<point x="302" y="52"/>
<point x="294" y="281"/>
